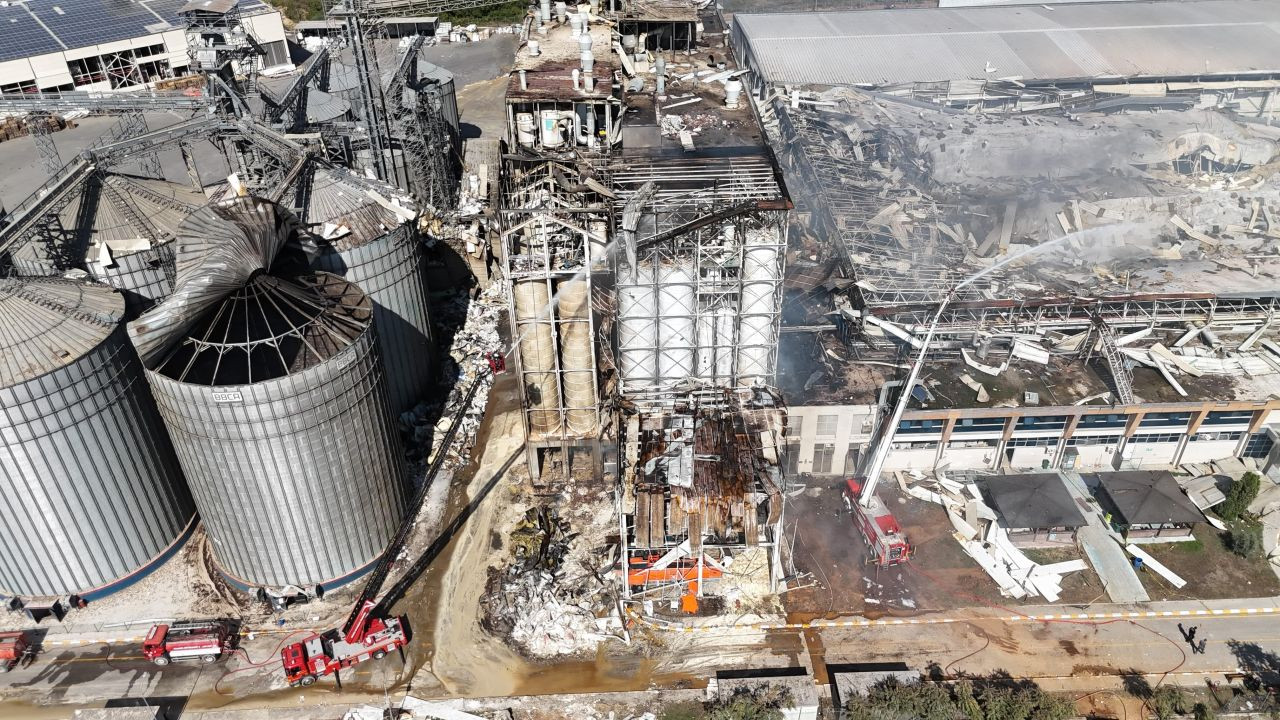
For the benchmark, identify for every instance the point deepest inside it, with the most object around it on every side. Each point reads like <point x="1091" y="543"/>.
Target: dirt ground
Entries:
<point x="1210" y="569"/>
<point x="939" y="577"/>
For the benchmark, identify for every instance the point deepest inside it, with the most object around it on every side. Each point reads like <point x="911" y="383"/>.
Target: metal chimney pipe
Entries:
<point x="576" y="75"/>
<point x="524" y="80"/>
<point x="546" y="10"/>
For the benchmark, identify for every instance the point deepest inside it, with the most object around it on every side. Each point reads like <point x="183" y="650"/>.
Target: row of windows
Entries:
<point x="1172" y="419"/>
<point x="1033" y="442"/>
<point x="1209" y="436"/>
<point x="1259" y="446"/>
<point x="1156" y="438"/>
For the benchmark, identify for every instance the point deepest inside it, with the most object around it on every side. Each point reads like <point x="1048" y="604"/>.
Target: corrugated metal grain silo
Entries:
<point x="120" y="227"/>
<point x="275" y="398"/>
<point x="91" y="495"/>
<point x="372" y="246"/>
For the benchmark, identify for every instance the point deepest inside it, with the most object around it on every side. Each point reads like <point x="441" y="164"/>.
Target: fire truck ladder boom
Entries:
<point x="884" y="441"/>
<point x="379" y="576"/>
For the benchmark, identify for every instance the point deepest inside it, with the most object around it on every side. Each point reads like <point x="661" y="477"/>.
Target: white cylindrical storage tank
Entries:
<point x="382" y="254"/>
<point x="757" y="335"/>
<point x="577" y="355"/>
<point x="677" y="310"/>
<point x="637" y="335"/>
<point x="91" y="490"/>
<point x="536" y="344"/>
<point x="276" y="402"/>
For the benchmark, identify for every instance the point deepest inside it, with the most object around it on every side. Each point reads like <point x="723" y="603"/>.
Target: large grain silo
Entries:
<point x="120" y="228"/>
<point x="273" y="391"/>
<point x="379" y="250"/>
<point x="91" y="495"/>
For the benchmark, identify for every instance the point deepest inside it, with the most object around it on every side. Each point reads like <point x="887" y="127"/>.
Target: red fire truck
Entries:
<point x="886" y="545"/>
<point x="369" y="632"/>
<point x="203" y="640"/>
<point x="368" y="637"/>
<point x="15" y="647"/>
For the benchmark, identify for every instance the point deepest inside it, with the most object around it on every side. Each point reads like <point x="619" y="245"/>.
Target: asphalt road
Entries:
<point x="1059" y="654"/>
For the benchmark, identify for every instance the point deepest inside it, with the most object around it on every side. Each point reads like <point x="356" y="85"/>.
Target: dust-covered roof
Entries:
<point x="1031" y="42"/>
<point x="1036" y="500"/>
<point x="1148" y="498"/>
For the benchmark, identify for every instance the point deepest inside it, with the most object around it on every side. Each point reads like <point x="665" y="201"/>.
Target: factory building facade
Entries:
<point x="92" y="45"/>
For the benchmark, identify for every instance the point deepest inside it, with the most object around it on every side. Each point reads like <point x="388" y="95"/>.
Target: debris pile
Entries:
<point x="552" y="599"/>
<point x="983" y="539"/>
<point x="465" y="363"/>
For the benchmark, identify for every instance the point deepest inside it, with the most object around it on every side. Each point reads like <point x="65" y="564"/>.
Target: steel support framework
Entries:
<point x="679" y="234"/>
<point x="550" y="236"/>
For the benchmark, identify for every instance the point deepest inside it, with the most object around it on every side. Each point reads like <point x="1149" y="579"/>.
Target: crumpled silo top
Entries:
<point x="220" y="247"/>
<point x="48" y="323"/>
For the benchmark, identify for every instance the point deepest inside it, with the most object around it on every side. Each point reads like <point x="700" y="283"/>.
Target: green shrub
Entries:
<point x="760" y="704"/>
<point x="1167" y="701"/>
<point x="1203" y="712"/>
<point x="1242" y="492"/>
<point x="1245" y="539"/>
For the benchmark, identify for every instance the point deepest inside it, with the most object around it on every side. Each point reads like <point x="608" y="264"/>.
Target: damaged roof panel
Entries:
<point x="877" y="47"/>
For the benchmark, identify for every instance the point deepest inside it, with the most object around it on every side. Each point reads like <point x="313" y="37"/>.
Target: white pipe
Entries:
<point x="524" y="80"/>
<point x="576" y="84"/>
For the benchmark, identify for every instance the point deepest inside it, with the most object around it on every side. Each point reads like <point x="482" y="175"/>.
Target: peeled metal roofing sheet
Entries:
<point x="47" y="323"/>
<point x="922" y="45"/>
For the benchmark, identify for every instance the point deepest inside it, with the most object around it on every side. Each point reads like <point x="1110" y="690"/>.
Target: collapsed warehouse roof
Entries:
<point x="1149" y="243"/>
<point x="1162" y="203"/>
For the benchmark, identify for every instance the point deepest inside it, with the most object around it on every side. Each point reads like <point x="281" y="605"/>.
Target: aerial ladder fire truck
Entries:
<point x="886" y="543"/>
<point x="369" y="632"/>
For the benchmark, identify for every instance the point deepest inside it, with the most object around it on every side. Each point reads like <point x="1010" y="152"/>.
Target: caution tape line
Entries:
<point x="823" y="624"/>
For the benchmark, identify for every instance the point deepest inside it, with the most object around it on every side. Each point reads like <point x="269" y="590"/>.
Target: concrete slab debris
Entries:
<point x="1154" y="564"/>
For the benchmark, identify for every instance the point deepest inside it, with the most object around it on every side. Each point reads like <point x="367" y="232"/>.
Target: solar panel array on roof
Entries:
<point x="36" y="27"/>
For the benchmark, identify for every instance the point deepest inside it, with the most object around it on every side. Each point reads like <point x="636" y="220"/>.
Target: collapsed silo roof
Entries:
<point x="220" y="247"/>
<point x="348" y="211"/>
<point x="268" y="329"/>
<point x="48" y="323"/>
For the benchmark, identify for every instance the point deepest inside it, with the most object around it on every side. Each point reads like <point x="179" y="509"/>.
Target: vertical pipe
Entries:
<point x="537" y="356"/>
<point x="577" y="357"/>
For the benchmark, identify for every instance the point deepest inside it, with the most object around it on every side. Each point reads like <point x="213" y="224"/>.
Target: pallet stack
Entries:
<point x="16" y="127"/>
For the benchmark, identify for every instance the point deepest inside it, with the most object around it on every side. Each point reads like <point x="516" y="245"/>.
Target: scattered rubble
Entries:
<point x="983" y="539"/>
<point x="554" y="598"/>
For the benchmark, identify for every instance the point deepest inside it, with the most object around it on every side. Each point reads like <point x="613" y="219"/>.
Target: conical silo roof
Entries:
<point x="48" y="323"/>
<point x="268" y="329"/>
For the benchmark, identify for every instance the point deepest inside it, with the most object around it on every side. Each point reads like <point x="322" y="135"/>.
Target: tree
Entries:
<point x="890" y="699"/>
<point x="1167" y="701"/>
<point x="1203" y="712"/>
<point x="763" y="703"/>
<point x="967" y="702"/>
<point x="1243" y="492"/>
<point x="1245" y="539"/>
